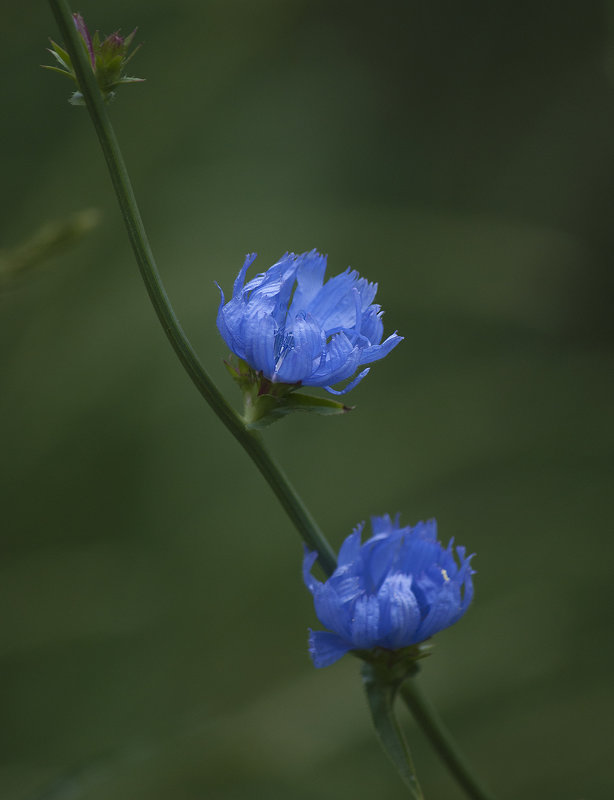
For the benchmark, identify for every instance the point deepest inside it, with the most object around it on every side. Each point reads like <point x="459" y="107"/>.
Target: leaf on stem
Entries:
<point x="381" y="689"/>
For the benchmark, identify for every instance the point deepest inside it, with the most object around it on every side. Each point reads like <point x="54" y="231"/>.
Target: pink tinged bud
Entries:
<point x="114" y="42"/>
<point x="85" y="35"/>
<point x="108" y="59"/>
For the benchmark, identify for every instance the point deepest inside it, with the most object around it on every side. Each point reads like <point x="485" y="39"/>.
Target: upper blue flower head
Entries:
<point x="397" y="589"/>
<point x="294" y="328"/>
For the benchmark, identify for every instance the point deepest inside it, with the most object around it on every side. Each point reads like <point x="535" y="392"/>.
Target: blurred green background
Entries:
<point x="153" y="618"/>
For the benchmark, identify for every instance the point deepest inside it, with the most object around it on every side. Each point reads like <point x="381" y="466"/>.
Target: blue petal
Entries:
<point x="258" y="333"/>
<point x="336" y="354"/>
<point x="420" y="549"/>
<point x="326" y="648"/>
<point x="442" y="613"/>
<point x="221" y="321"/>
<point x="254" y="287"/>
<point x="427" y="590"/>
<point x="347" y="584"/>
<point x="464" y="580"/>
<point x="240" y="280"/>
<point x="341" y="362"/>
<point x="377" y="351"/>
<point x="448" y="561"/>
<point x="467" y="593"/>
<point x="330" y="610"/>
<point x="384" y="525"/>
<point x="350" y="548"/>
<point x="309" y="560"/>
<point x="263" y="295"/>
<point x="229" y="322"/>
<point x="372" y="326"/>
<point x="426" y="530"/>
<point x="334" y="306"/>
<point x="345" y="370"/>
<point x="350" y="385"/>
<point x="399" y="611"/>
<point x="367" y="293"/>
<point x="285" y="293"/>
<point x="380" y="557"/>
<point x="272" y="288"/>
<point x="309" y="280"/>
<point x="365" y="622"/>
<point x="357" y="307"/>
<point x="306" y="343"/>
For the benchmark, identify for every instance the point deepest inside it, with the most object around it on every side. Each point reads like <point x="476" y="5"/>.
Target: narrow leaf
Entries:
<point x="380" y="696"/>
<point x="268" y="408"/>
<point x="324" y="406"/>
<point x="57" y="69"/>
<point x="59" y="52"/>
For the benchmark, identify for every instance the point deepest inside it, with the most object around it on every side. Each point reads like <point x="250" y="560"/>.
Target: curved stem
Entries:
<point x="382" y="706"/>
<point x="439" y="736"/>
<point x="250" y="441"/>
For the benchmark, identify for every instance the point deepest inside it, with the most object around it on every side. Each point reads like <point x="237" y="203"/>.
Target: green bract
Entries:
<point x="108" y="59"/>
<point x="265" y="402"/>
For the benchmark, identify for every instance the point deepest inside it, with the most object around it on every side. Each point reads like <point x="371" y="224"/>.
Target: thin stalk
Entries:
<point x="249" y="440"/>
<point x="436" y="732"/>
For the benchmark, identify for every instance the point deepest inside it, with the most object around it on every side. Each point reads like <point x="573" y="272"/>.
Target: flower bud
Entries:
<point x="108" y="59"/>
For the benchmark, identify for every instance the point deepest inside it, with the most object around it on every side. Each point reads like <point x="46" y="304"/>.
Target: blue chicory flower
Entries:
<point x="295" y="329"/>
<point x="397" y="589"/>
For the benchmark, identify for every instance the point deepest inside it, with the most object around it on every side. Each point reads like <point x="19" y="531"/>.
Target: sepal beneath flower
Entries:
<point x="395" y="666"/>
<point x="265" y="402"/>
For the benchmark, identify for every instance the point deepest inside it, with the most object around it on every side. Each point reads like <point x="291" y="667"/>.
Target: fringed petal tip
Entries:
<point x="240" y="279"/>
<point x="378" y="351"/>
<point x="384" y="523"/>
<point x="350" y="385"/>
<point x="350" y="548"/>
<point x="325" y="648"/>
<point x="309" y="560"/>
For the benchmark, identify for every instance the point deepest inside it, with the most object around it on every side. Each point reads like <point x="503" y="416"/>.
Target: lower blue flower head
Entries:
<point x="295" y="329"/>
<point x="397" y="589"/>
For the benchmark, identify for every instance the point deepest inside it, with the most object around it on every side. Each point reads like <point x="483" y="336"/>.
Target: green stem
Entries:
<point x="439" y="736"/>
<point x="380" y="695"/>
<point x="249" y="440"/>
<point x="382" y="705"/>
